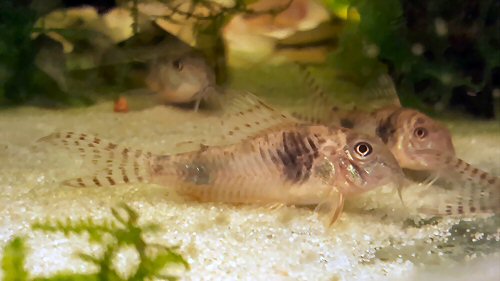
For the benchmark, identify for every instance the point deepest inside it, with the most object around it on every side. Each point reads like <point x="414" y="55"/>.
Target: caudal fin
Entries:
<point x="473" y="191"/>
<point x="115" y="164"/>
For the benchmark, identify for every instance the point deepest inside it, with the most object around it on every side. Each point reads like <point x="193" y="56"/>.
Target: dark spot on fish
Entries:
<point x="273" y="157"/>
<point x="491" y="181"/>
<point x="483" y="175"/>
<point x="419" y="121"/>
<point x="448" y="209"/>
<point x="111" y="181"/>
<point x="157" y="168"/>
<point x="111" y="146"/>
<point x="346" y="123"/>
<point x="96" y="181"/>
<point x="335" y="109"/>
<point x="467" y="166"/>
<point x="472" y="209"/>
<point x="80" y="182"/>
<point x="385" y="129"/>
<point x="313" y="147"/>
<point x="474" y="171"/>
<point x="296" y="158"/>
<point x="248" y="125"/>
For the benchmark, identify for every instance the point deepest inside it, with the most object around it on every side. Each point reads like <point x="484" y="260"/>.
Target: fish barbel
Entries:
<point x="294" y="164"/>
<point x="416" y="140"/>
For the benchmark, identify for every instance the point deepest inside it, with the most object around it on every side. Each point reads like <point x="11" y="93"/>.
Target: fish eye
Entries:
<point x="420" y="132"/>
<point x="177" y="64"/>
<point x="363" y="149"/>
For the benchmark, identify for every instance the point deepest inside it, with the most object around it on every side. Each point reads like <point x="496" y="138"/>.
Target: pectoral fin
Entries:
<point x="330" y="209"/>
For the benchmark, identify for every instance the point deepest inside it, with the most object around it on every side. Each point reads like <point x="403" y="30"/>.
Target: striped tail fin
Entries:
<point x="115" y="164"/>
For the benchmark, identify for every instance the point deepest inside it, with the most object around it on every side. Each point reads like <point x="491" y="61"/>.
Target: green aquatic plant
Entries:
<point x="22" y="80"/>
<point x="433" y="50"/>
<point x="14" y="255"/>
<point x="113" y="236"/>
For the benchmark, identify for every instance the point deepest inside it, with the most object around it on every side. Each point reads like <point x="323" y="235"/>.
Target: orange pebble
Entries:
<point x="121" y="105"/>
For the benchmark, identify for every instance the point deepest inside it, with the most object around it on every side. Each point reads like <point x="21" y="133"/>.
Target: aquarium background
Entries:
<point x="441" y="56"/>
<point x="63" y="64"/>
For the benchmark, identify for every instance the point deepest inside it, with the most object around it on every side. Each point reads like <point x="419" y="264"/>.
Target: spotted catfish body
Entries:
<point x="417" y="141"/>
<point x="293" y="164"/>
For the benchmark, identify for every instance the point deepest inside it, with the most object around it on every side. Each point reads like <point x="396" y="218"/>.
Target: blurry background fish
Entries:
<point x="75" y="52"/>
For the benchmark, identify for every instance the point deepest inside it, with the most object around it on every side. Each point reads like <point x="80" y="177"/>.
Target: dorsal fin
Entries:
<point x="320" y="107"/>
<point x="242" y="116"/>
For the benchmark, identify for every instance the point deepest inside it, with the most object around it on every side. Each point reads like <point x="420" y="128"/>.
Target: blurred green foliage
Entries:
<point x="77" y="77"/>
<point x="21" y="81"/>
<point x="155" y="260"/>
<point x="14" y="255"/>
<point x="430" y="48"/>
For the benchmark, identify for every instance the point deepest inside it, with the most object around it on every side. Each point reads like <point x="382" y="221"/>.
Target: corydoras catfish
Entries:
<point x="184" y="79"/>
<point x="283" y="163"/>
<point x="417" y="141"/>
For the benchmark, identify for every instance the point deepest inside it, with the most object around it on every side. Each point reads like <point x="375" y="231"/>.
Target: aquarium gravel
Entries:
<point x="377" y="238"/>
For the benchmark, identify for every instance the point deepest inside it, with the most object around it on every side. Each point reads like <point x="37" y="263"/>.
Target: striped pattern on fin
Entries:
<point x="245" y="116"/>
<point x="468" y="200"/>
<point x="323" y="108"/>
<point x="381" y="89"/>
<point x="115" y="164"/>
<point x="474" y="191"/>
<point x="319" y="108"/>
<point x="459" y="169"/>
